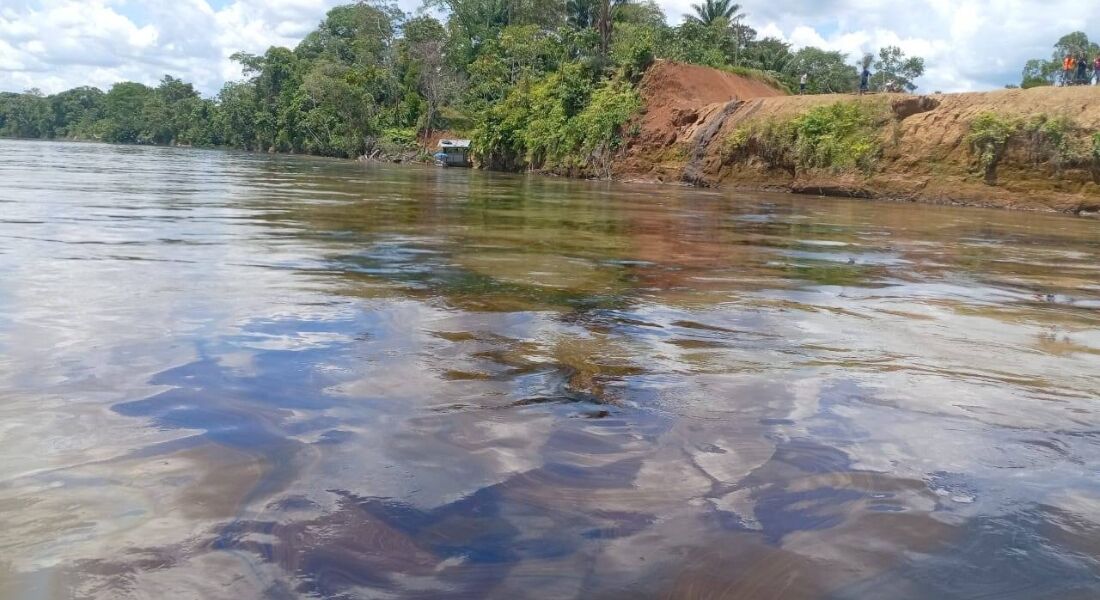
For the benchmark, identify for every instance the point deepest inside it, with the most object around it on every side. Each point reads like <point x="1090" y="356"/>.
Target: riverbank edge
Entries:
<point x="711" y="129"/>
<point x="998" y="198"/>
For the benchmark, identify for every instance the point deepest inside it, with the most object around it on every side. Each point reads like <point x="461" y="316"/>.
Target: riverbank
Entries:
<point x="1036" y="149"/>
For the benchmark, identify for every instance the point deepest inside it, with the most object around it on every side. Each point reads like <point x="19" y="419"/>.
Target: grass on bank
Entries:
<point x="758" y="75"/>
<point x="1054" y="141"/>
<point x="843" y="136"/>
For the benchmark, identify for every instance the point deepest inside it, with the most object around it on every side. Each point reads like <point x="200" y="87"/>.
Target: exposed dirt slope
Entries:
<point x="678" y="97"/>
<point x="926" y="156"/>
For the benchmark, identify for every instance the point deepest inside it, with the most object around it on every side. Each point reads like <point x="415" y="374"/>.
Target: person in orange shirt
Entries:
<point x="1068" y="65"/>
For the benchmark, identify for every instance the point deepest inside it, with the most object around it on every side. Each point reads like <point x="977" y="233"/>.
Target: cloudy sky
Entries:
<point x="58" y="44"/>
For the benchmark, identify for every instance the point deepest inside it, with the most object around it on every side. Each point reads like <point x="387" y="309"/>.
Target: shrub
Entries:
<point x="771" y="140"/>
<point x="402" y="136"/>
<point x="1095" y="167"/>
<point x="633" y="47"/>
<point x="1055" y="141"/>
<point x="840" y="136"/>
<point x="597" y="131"/>
<point x="988" y="139"/>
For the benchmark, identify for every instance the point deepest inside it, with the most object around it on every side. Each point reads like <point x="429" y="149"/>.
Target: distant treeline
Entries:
<point x="535" y="83"/>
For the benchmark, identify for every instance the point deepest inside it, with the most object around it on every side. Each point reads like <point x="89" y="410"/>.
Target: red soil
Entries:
<point x="926" y="157"/>
<point x="677" y="97"/>
<point x="678" y="94"/>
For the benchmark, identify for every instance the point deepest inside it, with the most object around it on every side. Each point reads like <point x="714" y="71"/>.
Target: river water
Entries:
<point x="226" y="375"/>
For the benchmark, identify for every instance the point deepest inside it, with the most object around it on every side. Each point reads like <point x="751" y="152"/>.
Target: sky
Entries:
<point x="55" y="45"/>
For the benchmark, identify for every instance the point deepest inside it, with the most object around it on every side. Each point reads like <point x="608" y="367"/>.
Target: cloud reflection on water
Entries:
<point x="417" y="383"/>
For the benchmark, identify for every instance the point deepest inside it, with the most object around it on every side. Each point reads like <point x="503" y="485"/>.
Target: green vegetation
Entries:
<point x="988" y="139"/>
<point x="1095" y="166"/>
<point x="561" y="121"/>
<point x="843" y="136"/>
<point x="893" y="71"/>
<point x="1052" y="141"/>
<point x="535" y="84"/>
<point x="712" y="10"/>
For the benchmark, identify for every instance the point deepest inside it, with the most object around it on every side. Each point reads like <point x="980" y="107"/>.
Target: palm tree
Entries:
<point x="604" y="15"/>
<point x="580" y="13"/>
<point x="713" y="10"/>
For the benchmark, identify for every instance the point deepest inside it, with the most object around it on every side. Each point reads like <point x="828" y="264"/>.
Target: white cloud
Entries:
<point x="57" y="44"/>
<point x="967" y="44"/>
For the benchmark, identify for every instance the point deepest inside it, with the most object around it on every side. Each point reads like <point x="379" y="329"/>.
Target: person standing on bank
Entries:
<point x="1083" y="70"/>
<point x="1096" y="71"/>
<point x="802" y="83"/>
<point x="864" y="81"/>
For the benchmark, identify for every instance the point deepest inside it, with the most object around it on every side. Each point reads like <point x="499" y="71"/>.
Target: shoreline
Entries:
<point x="819" y="188"/>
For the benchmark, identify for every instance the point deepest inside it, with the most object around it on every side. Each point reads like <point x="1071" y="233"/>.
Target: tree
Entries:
<point x="726" y="16"/>
<point x="639" y="32"/>
<point x="27" y="115"/>
<point x="235" y="117"/>
<point x="712" y="10"/>
<point x="1038" y="72"/>
<point x="771" y="55"/>
<point x="645" y="13"/>
<point x="696" y="43"/>
<point x="473" y="24"/>
<point x="895" y="71"/>
<point x="828" y="72"/>
<point x="124" y="113"/>
<point x="424" y="41"/>
<point x="581" y="14"/>
<point x="1074" y="44"/>
<point x="174" y="113"/>
<point x="605" y="22"/>
<point x="275" y="76"/>
<point x="353" y="34"/>
<point x="76" y="111"/>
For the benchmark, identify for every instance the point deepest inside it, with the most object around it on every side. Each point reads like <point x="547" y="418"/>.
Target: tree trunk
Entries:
<point x="604" y="25"/>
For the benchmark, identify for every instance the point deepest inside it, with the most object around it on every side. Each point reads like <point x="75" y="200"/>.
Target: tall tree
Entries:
<point x="124" y="112"/>
<point x="605" y="22"/>
<point x="235" y="118"/>
<point x="423" y="49"/>
<point x="353" y="34"/>
<point x="770" y="54"/>
<point x="581" y="14"/>
<point x="894" y="71"/>
<point x="1074" y="44"/>
<point x="829" y="72"/>
<point x="28" y="115"/>
<point x="75" y="111"/>
<point x="712" y="10"/>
